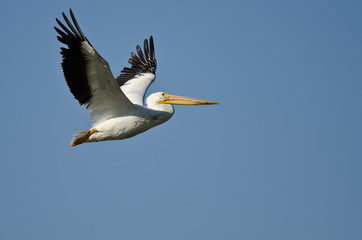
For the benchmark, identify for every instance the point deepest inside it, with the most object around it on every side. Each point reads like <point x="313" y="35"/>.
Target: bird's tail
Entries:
<point x="81" y="136"/>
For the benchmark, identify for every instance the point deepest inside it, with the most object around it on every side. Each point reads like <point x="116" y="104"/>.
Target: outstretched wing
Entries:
<point x="88" y="75"/>
<point x="135" y="81"/>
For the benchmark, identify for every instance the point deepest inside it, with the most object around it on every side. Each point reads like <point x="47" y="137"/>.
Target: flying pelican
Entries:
<point x="116" y="105"/>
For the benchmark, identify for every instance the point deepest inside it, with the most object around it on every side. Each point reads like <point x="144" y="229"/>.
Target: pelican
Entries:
<point x="116" y="105"/>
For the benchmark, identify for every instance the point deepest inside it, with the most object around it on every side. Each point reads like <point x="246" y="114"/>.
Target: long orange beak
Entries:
<point x="173" y="99"/>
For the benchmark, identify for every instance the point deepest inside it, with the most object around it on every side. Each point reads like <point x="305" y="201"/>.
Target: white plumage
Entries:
<point x="136" y="88"/>
<point x="116" y="105"/>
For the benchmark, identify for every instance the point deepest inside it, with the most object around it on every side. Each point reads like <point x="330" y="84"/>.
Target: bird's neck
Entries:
<point x="167" y="108"/>
<point x="159" y="113"/>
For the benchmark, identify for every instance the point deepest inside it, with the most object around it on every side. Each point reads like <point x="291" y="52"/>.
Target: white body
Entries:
<point x="132" y="123"/>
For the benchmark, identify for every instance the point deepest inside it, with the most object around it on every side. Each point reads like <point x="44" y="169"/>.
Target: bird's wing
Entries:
<point x="88" y="75"/>
<point x="135" y="81"/>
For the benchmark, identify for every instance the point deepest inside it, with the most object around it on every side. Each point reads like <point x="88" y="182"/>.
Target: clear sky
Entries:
<point x="279" y="158"/>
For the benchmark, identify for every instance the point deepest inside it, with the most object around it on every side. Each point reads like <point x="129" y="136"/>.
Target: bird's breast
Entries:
<point x="126" y="126"/>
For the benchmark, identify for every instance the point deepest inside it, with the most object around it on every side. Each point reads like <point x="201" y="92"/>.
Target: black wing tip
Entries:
<point x="144" y="62"/>
<point x="152" y="49"/>
<point x="72" y="29"/>
<point x="74" y="64"/>
<point x="70" y="11"/>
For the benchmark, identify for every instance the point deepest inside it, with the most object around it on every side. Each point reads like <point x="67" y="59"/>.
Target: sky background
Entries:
<point x="279" y="158"/>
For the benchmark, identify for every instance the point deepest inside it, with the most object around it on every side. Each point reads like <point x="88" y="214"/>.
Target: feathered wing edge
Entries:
<point x="74" y="61"/>
<point x="88" y="75"/>
<point x="143" y="63"/>
<point x="135" y="81"/>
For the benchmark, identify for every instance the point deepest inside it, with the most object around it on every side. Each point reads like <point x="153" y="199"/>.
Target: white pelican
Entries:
<point x="116" y="105"/>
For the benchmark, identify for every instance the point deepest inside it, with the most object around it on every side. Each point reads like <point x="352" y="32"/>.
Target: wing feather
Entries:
<point x="88" y="75"/>
<point x="135" y="81"/>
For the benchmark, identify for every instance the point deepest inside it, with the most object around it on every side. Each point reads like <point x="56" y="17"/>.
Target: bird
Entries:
<point x="116" y="105"/>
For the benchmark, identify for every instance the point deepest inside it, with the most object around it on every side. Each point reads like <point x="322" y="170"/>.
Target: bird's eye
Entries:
<point x="163" y="94"/>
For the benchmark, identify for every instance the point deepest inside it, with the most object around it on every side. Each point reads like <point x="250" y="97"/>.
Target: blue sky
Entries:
<point x="279" y="158"/>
